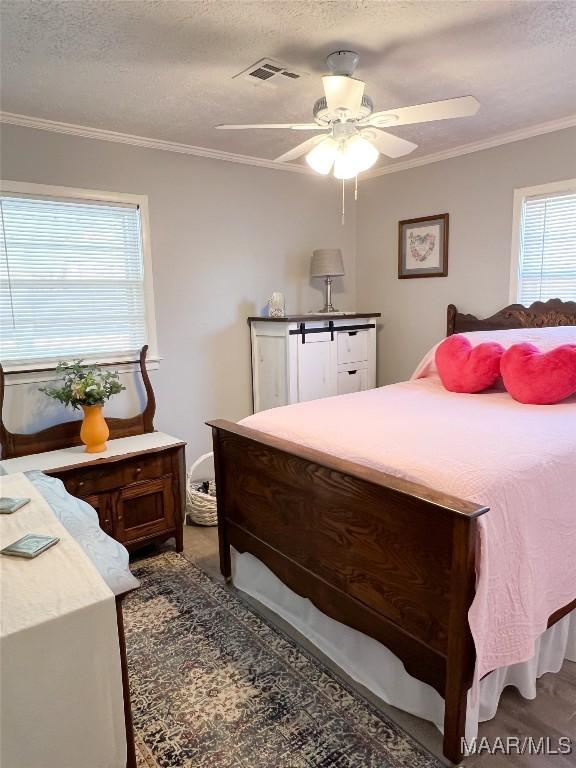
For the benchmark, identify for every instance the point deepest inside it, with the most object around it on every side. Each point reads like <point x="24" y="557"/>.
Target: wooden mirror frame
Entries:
<point x="67" y="434"/>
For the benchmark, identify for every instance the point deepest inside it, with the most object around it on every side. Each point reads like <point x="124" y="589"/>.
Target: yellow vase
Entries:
<point x="94" y="431"/>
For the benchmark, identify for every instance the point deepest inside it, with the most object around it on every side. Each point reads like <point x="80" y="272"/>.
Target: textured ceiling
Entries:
<point x="163" y="69"/>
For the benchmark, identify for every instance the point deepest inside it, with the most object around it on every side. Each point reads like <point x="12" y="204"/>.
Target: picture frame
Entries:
<point x="423" y="247"/>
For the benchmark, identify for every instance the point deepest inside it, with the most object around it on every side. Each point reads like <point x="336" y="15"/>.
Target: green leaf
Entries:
<point x="83" y="384"/>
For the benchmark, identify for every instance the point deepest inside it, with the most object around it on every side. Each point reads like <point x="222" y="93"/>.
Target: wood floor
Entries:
<point x="552" y="714"/>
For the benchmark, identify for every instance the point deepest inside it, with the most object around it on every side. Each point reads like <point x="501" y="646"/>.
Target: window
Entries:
<point x="75" y="276"/>
<point x="544" y="243"/>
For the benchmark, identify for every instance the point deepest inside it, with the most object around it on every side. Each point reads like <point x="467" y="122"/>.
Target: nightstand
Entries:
<point x="137" y="486"/>
<point x="305" y="357"/>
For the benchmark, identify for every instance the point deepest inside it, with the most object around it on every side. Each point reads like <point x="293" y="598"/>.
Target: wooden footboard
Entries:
<point x="391" y="558"/>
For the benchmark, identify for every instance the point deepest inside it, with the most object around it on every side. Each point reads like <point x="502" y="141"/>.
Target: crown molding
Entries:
<point x="101" y="134"/>
<point x="476" y="146"/>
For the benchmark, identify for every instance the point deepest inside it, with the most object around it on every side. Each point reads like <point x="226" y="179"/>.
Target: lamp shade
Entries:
<point x="326" y="262"/>
<point x="321" y="158"/>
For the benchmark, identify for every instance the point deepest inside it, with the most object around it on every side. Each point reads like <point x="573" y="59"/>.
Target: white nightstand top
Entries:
<point x="70" y="457"/>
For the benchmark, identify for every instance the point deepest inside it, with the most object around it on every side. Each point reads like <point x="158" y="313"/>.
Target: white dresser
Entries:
<point x="305" y="357"/>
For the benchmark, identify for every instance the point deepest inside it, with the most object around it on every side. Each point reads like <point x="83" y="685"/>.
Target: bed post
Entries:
<point x="461" y="653"/>
<point x="223" y="541"/>
<point x="451" y="319"/>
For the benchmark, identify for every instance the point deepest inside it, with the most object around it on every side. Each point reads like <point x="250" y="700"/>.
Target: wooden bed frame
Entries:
<point x="390" y="558"/>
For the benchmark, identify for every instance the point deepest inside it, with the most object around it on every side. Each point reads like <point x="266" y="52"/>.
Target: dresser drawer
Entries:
<point x="352" y="379"/>
<point x="352" y="346"/>
<point x="111" y="475"/>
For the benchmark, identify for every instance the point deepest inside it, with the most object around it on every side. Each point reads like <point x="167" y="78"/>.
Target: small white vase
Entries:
<point x="276" y="305"/>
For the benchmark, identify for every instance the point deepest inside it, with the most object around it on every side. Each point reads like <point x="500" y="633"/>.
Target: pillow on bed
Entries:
<point x="464" y="368"/>
<point x="539" y="378"/>
<point x="544" y="338"/>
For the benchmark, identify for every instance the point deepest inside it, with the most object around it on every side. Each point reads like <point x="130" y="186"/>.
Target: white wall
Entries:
<point x="477" y="191"/>
<point x="224" y="236"/>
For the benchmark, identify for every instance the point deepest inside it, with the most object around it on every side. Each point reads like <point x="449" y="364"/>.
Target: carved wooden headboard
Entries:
<point x="538" y="315"/>
<point x="67" y="434"/>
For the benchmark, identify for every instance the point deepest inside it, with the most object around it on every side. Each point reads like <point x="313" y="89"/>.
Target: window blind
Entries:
<point x="71" y="280"/>
<point x="547" y="260"/>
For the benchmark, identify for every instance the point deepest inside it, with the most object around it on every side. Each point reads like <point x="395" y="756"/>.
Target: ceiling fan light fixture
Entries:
<point x="343" y="168"/>
<point x="362" y="153"/>
<point x="356" y="138"/>
<point x="355" y="156"/>
<point x="321" y="158"/>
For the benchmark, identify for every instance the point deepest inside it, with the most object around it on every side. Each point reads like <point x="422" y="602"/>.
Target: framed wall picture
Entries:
<point x="423" y="247"/>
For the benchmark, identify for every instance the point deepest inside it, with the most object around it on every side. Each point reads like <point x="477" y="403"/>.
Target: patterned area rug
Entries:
<point x="215" y="686"/>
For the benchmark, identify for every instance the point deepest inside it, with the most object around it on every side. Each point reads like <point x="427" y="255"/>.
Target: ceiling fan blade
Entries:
<point x="387" y="144"/>
<point x="343" y="92"/>
<point x="463" y="106"/>
<point x="292" y="126"/>
<point x="300" y="149"/>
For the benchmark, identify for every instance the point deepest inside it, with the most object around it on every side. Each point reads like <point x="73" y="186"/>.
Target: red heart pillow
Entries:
<point x="464" y="368"/>
<point x="539" y="378"/>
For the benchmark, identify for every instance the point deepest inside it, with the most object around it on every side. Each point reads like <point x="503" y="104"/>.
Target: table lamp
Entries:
<point x="327" y="263"/>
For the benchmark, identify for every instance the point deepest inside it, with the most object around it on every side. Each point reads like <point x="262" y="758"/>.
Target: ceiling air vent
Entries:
<point x="269" y="72"/>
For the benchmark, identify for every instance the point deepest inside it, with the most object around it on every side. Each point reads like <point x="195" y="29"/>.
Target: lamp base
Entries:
<point x="328" y="311"/>
<point x="328" y="308"/>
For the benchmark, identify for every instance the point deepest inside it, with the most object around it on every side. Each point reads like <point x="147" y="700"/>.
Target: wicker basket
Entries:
<point x="201" y="492"/>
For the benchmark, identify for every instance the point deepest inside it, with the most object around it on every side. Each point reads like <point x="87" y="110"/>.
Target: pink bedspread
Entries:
<point x="520" y="460"/>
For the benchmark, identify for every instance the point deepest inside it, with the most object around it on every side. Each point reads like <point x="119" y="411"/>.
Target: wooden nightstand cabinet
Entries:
<point x="137" y="486"/>
<point x="139" y="497"/>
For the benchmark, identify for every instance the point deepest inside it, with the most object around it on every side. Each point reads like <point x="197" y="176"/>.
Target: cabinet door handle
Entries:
<point x="81" y="483"/>
<point x="138" y="470"/>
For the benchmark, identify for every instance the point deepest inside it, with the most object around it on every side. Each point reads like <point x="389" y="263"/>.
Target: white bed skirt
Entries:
<point x="370" y="663"/>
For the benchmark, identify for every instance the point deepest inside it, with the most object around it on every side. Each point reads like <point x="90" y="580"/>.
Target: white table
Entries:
<point x="62" y="698"/>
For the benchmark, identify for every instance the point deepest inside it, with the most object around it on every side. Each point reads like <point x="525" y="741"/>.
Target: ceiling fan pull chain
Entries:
<point x="343" y="202"/>
<point x="356" y="187"/>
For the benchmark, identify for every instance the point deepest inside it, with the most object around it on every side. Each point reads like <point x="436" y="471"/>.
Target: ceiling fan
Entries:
<point x="354" y="138"/>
